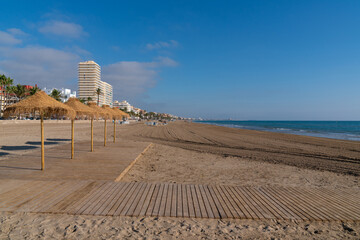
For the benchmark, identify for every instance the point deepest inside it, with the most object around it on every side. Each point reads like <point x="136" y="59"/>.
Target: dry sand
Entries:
<point x="198" y="153"/>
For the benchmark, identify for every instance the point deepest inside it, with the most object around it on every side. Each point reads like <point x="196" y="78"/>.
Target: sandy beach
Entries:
<point x="193" y="153"/>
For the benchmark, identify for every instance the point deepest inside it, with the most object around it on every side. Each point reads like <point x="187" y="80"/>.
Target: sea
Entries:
<point x="347" y="130"/>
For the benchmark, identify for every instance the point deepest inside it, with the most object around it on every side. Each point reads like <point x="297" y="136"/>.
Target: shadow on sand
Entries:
<point x="3" y="154"/>
<point x="39" y="143"/>
<point x="17" y="148"/>
<point x="59" y="139"/>
<point x="33" y="169"/>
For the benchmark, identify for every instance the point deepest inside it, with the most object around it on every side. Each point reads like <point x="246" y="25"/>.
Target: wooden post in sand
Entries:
<point x="72" y="138"/>
<point x="42" y="144"/>
<point x="114" y="130"/>
<point x="105" y="133"/>
<point x="92" y="134"/>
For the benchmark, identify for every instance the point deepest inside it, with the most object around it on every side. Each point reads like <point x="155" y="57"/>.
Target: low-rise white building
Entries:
<point x="65" y="93"/>
<point x="123" y="105"/>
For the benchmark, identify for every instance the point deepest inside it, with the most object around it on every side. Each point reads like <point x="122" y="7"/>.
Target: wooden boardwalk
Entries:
<point x="109" y="198"/>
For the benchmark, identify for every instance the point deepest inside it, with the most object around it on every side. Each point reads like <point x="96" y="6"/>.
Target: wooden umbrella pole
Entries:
<point x="72" y="138"/>
<point x="42" y="144"/>
<point x="114" y="130"/>
<point x="92" y="134"/>
<point x="105" y="133"/>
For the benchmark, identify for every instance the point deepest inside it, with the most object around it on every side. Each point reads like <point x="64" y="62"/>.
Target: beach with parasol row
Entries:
<point x="47" y="107"/>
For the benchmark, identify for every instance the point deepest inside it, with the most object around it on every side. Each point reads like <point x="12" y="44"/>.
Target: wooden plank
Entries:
<point x="136" y="200"/>
<point x="147" y="201"/>
<point x="55" y="200"/>
<point x="268" y="204"/>
<point x="156" y="211"/>
<point x="93" y="200"/>
<point x="299" y="205"/>
<point x="214" y="203"/>
<point x="26" y="196"/>
<point x="222" y="202"/>
<point x="348" y="210"/>
<point x="286" y="202"/>
<point x="128" y="200"/>
<point x="108" y="203"/>
<point x="174" y="201"/>
<point x="179" y="202"/>
<point x="76" y="199"/>
<point x="190" y="201"/>
<point x="204" y="213"/>
<point x="19" y="192"/>
<point x="286" y="212"/>
<point x="208" y="208"/>
<point x="163" y="200"/>
<point x="45" y="197"/>
<point x="8" y="185"/>
<point x="154" y="198"/>
<point x="117" y="200"/>
<point x="253" y="206"/>
<point x="322" y="205"/>
<point x="237" y="207"/>
<point x="195" y="202"/>
<point x="168" y="201"/>
<point x="184" y="200"/>
<point x="307" y="206"/>
<point x="102" y="199"/>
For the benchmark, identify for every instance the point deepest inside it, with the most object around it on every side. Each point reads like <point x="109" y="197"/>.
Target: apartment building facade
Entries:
<point x="89" y="80"/>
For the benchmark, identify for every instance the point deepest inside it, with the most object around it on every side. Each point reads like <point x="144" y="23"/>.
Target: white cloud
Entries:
<point x="158" y="45"/>
<point x="8" y="39"/>
<point x="16" y="31"/>
<point x="130" y="79"/>
<point x="65" y="29"/>
<point x="39" y="65"/>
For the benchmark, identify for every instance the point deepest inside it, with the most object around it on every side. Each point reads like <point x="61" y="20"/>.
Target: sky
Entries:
<point x="246" y="60"/>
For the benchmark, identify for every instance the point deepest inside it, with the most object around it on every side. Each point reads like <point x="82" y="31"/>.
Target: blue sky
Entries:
<point x="248" y="60"/>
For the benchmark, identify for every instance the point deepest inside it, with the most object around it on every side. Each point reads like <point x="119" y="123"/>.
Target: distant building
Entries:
<point x="11" y="98"/>
<point x="65" y="93"/>
<point x="124" y="105"/>
<point x="89" y="80"/>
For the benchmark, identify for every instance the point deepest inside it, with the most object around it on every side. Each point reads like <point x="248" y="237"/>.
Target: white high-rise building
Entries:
<point x="90" y="80"/>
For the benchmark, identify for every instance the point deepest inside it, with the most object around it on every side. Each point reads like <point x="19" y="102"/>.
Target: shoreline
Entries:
<point x="300" y="132"/>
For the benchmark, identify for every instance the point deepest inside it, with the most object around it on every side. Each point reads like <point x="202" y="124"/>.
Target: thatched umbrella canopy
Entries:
<point x="81" y="110"/>
<point x="103" y="113"/>
<point x="40" y="102"/>
<point x="115" y="115"/>
<point x="100" y="112"/>
<point x="46" y="106"/>
<point x="123" y="114"/>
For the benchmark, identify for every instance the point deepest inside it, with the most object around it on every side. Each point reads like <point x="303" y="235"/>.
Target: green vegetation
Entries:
<point x="56" y="94"/>
<point x="98" y="92"/>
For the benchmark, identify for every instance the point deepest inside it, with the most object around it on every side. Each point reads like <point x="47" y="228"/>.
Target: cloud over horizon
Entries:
<point x="61" y="28"/>
<point x="131" y="78"/>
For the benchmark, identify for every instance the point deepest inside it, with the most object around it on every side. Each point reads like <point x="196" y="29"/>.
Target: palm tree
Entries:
<point x="98" y="92"/>
<point x="56" y="94"/>
<point x="19" y="90"/>
<point x="5" y="83"/>
<point x="89" y="99"/>
<point x="34" y="90"/>
<point x="82" y="100"/>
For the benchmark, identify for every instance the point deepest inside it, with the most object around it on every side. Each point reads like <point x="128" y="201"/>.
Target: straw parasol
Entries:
<point x="46" y="106"/>
<point x="81" y="110"/>
<point x="102" y="113"/>
<point x="124" y="114"/>
<point x="115" y="115"/>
